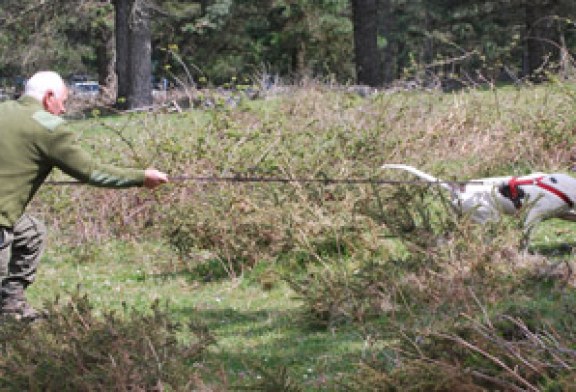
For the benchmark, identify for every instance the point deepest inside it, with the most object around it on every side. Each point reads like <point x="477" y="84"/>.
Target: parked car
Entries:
<point x="88" y="89"/>
<point x="76" y="78"/>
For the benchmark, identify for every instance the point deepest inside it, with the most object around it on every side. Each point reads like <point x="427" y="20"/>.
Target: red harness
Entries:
<point x="515" y="182"/>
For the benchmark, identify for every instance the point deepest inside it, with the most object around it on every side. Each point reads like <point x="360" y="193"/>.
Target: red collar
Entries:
<point x="515" y="182"/>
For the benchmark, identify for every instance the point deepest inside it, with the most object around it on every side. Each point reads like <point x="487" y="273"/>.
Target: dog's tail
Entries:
<point x="425" y="176"/>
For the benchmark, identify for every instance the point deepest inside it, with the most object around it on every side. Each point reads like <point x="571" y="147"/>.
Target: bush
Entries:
<point x="477" y="355"/>
<point x="73" y="350"/>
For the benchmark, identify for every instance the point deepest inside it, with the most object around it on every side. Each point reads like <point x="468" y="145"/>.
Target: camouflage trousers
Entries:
<point x="20" y="250"/>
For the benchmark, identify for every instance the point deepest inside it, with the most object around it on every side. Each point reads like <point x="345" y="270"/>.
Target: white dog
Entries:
<point x="545" y="195"/>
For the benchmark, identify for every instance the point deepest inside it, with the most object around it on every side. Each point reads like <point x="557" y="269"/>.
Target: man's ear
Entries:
<point x="47" y="96"/>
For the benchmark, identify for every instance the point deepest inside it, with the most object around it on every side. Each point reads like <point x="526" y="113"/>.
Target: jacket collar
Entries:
<point x="27" y="100"/>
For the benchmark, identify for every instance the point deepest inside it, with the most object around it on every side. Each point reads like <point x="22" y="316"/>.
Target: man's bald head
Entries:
<point x="42" y="82"/>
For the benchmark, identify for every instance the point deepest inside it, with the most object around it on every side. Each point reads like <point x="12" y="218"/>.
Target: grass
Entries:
<point x="323" y="286"/>
<point x="253" y="326"/>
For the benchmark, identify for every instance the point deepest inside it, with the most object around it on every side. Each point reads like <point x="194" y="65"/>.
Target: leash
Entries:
<point x="286" y="180"/>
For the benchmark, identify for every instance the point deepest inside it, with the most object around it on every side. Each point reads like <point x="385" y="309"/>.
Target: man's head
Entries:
<point x="48" y="88"/>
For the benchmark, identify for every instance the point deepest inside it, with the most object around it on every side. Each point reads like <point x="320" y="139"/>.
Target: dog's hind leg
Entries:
<point x="565" y="278"/>
<point x="569" y="215"/>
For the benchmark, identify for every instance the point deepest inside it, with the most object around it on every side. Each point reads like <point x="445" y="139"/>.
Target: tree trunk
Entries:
<point x="389" y="52"/>
<point x="133" y="54"/>
<point x="366" y="42"/>
<point x="104" y="48"/>
<point x="140" y="65"/>
<point x="122" y="8"/>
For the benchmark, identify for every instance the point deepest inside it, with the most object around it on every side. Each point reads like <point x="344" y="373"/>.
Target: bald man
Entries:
<point x="33" y="141"/>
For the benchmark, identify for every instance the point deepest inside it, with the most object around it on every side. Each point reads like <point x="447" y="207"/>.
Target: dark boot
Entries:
<point x="13" y="304"/>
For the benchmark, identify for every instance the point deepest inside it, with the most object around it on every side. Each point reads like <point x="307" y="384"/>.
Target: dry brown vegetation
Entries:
<point x="444" y="304"/>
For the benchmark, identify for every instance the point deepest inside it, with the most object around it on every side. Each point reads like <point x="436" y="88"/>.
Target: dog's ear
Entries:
<point x="504" y="190"/>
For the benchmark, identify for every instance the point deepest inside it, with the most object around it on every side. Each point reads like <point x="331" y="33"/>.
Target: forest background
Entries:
<point x="441" y="43"/>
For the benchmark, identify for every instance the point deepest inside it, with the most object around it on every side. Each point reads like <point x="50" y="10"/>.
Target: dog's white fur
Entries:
<point x="482" y="200"/>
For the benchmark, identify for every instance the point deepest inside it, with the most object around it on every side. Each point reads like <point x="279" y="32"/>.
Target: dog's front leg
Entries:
<point x="533" y="218"/>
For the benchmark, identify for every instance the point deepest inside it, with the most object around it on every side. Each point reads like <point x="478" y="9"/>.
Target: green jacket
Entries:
<point x="32" y="143"/>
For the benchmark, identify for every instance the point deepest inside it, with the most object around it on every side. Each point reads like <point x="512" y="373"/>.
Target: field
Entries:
<point x="303" y="286"/>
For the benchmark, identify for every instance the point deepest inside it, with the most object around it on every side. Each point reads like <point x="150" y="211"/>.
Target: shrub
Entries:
<point x="477" y="355"/>
<point x="73" y="350"/>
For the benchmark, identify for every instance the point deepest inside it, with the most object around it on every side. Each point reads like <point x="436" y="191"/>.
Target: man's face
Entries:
<point x="55" y="101"/>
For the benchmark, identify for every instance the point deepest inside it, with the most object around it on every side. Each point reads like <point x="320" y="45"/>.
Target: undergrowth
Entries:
<point x="441" y="303"/>
<point x="74" y="350"/>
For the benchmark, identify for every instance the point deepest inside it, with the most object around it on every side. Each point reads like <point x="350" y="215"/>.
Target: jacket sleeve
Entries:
<point x="62" y="151"/>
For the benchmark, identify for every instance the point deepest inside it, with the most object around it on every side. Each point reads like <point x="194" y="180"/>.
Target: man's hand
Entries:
<point x="154" y="178"/>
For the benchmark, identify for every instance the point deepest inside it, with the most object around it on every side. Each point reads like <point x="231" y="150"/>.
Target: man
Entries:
<point x="33" y="141"/>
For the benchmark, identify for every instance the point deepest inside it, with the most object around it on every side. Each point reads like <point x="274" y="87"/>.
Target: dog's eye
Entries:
<point x="553" y="180"/>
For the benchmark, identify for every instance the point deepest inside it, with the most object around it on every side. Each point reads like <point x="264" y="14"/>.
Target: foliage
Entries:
<point x="74" y="350"/>
<point x="249" y="35"/>
<point x="524" y="350"/>
<point x="391" y="266"/>
<point x="452" y="44"/>
<point x="52" y="35"/>
<point x="450" y="325"/>
<point x="440" y="43"/>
